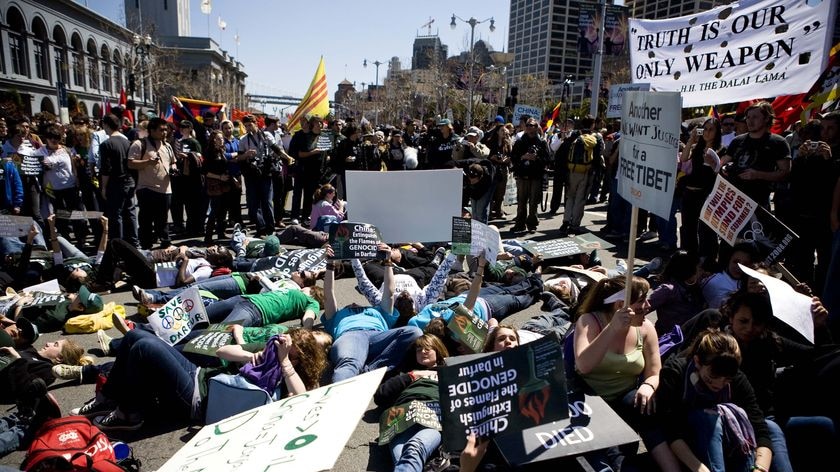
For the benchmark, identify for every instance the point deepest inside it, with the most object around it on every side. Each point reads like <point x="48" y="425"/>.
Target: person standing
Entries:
<point x="500" y="148"/>
<point x="529" y="157"/>
<point x="233" y="198"/>
<point x="280" y="180"/>
<point x="581" y="153"/>
<point x="701" y="156"/>
<point x="441" y="145"/>
<point x="118" y="182"/>
<point x="60" y="183"/>
<point x="217" y="182"/>
<point x="310" y="158"/>
<point x="255" y="157"/>
<point x="154" y="160"/>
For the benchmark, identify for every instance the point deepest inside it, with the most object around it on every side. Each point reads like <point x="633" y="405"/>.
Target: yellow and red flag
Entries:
<point x="315" y="102"/>
<point x="554" y="114"/>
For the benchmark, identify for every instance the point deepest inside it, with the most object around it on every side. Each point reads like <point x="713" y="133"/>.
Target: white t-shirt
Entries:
<point x="199" y="268"/>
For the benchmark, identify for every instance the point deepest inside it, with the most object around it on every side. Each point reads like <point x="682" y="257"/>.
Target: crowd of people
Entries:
<point x="717" y="383"/>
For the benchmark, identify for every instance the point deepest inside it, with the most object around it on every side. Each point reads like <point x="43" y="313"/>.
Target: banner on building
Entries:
<point x="734" y="52"/>
<point x="615" y="29"/>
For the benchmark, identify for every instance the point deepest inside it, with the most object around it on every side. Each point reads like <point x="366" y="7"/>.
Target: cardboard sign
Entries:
<point x="354" y="240"/>
<point x="407" y="206"/>
<point x="179" y="316"/>
<point x="503" y="393"/>
<point x="562" y="247"/>
<point x="727" y="210"/>
<point x="14" y="226"/>
<point x="520" y="110"/>
<point x="472" y="237"/>
<point x="78" y="215"/>
<point x="303" y="433"/>
<point x="788" y="305"/>
<point x="591" y="425"/>
<point x="399" y="418"/>
<point x="206" y="344"/>
<point x="650" y="140"/>
<point x="617" y="95"/>
<point x="736" y="51"/>
<point x="467" y="329"/>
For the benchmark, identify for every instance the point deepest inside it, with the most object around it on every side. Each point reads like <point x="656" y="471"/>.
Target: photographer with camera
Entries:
<point x="153" y="159"/>
<point x="529" y="158"/>
<point x="256" y="157"/>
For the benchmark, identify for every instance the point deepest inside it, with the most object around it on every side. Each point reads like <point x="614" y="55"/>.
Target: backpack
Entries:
<point x="582" y="152"/>
<point x="71" y="443"/>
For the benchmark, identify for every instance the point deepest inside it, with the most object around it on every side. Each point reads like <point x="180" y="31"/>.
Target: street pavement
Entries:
<point x="154" y="446"/>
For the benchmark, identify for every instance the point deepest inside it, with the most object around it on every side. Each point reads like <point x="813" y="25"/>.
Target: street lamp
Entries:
<point x="142" y="47"/>
<point x="472" y="22"/>
<point x="376" y="89"/>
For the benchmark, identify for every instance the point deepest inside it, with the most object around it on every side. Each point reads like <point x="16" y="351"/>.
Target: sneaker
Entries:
<point x="621" y="266"/>
<point x="95" y="407"/>
<point x="115" y="421"/>
<point x="104" y="342"/>
<point x="295" y="222"/>
<point x="437" y="464"/>
<point x="648" y="235"/>
<point x="238" y="227"/>
<point x="655" y="265"/>
<point x="440" y="255"/>
<point x="532" y="230"/>
<point x="67" y="372"/>
<point x="123" y="325"/>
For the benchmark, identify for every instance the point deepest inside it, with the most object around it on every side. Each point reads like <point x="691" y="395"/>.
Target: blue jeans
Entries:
<point x="12" y="431"/>
<point x="258" y="197"/>
<point x="504" y="301"/>
<point x="355" y="352"/>
<point x="411" y="448"/>
<point x="234" y="310"/>
<point x="618" y="211"/>
<point x="222" y="286"/>
<point x="709" y="443"/>
<point x="146" y="367"/>
<point x="668" y="228"/>
<point x="781" y="460"/>
<point x="481" y="207"/>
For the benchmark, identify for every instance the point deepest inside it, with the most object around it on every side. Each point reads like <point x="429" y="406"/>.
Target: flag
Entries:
<point x="554" y="114"/>
<point x="170" y="113"/>
<point x="236" y="115"/>
<point x="206" y="7"/>
<point x="315" y="102"/>
<point x="123" y="98"/>
<point x="222" y="24"/>
<point x="197" y="108"/>
<point x="108" y="106"/>
<point x="790" y="108"/>
<point x="713" y="112"/>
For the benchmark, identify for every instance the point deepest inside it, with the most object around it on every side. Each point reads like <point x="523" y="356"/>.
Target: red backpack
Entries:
<point x="70" y="443"/>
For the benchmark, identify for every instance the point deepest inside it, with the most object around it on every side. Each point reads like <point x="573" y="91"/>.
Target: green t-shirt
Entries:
<point x="261" y="334"/>
<point x="241" y="281"/>
<point x="47" y="311"/>
<point x="278" y="307"/>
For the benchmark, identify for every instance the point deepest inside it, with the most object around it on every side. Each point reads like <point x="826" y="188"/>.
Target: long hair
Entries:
<point x="718" y="350"/>
<point x="73" y="354"/>
<point x="715" y="145"/>
<point x="594" y="301"/>
<point x="431" y="341"/>
<point x="215" y="152"/>
<point x="312" y="359"/>
<point x="321" y="192"/>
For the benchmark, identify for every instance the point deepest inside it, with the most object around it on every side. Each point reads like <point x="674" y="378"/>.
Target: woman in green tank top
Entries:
<point x="617" y="355"/>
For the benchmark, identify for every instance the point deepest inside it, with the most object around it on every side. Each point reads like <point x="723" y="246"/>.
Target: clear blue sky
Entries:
<point x="281" y="41"/>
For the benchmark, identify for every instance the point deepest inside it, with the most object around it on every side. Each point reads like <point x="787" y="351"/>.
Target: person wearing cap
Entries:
<point x="440" y="146"/>
<point x="529" y="157"/>
<point x="480" y="189"/>
<point x="471" y="146"/>
<point x="48" y="312"/>
<point x="202" y="127"/>
<point x="19" y="334"/>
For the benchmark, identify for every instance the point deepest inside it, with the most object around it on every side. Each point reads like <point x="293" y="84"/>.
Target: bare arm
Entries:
<point x="329" y="291"/>
<point x="390" y="284"/>
<point x="56" y="248"/>
<point x="103" y="241"/>
<point x="591" y="345"/>
<point x="687" y="457"/>
<point x="475" y="286"/>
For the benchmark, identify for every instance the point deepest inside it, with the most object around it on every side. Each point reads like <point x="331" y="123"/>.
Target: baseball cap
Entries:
<point x="475" y="170"/>
<point x="271" y="247"/>
<point x="473" y="131"/>
<point x="91" y="301"/>
<point x="28" y="331"/>
<point x="499" y="119"/>
<point x="444" y="122"/>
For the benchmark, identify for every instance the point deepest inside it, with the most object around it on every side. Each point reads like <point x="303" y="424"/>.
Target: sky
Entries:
<point x="281" y="41"/>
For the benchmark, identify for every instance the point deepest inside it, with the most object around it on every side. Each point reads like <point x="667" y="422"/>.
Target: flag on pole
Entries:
<point x="222" y="23"/>
<point x="554" y="114"/>
<point x="713" y="112"/>
<point x="315" y="102"/>
<point x="206" y="7"/>
<point x="789" y="108"/>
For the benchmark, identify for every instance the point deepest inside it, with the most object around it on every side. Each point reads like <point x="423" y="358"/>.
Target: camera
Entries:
<point x="699" y="132"/>
<point x="813" y="145"/>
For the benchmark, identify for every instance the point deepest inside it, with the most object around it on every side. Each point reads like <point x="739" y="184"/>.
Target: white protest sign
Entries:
<point x="473" y="237"/>
<point x="179" y="316"/>
<point x="14" y="226"/>
<point x="727" y="210"/>
<point x="788" y="305"/>
<point x="650" y="139"/>
<point x="520" y="110"/>
<point x="406" y="206"/>
<point x="50" y="286"/>
<point x="617" y="95"/>
<point x="735" y="52"/>
<point x="78" y="215"/>
<point x="305" y="432"/>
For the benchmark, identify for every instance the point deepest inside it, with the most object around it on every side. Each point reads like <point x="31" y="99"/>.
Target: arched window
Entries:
<point x="118" y="71"/>
<point x="40" y="45"/>
<point x="47" y="105"/>
<point x="93" y="64"/>
<point x="17" y="42"/>
<point x="78" y="60"/>
<point x="105" y="54"/>
<point x="62" y="66"/>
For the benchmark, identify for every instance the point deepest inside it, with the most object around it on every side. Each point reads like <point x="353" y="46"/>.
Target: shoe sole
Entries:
<point x="117" y="429"/>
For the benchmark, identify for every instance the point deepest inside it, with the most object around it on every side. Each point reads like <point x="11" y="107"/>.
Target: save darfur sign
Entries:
<point x="650" y="139"/>
<point x="734" y="52"/>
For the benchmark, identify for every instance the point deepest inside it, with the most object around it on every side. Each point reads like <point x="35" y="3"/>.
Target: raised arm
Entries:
<point x="371" y="293"/>
<point x="591" y="345"/>
<point x="475" y="286"/>
<point x="438" y="282"/>
<point x="329" y="290"/>
<point x="389" y="284"/>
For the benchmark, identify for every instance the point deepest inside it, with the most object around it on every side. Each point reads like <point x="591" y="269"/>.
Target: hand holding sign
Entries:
<point x="354" y="241"/>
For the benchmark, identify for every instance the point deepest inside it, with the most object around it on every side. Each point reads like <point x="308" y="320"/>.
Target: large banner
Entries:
<point x="647" y="167"/>
<point x="179" y="316"/>
<point x="615" y="27"/>
<point x="303" y="433"/>
<point x="406" y="206"/>
<point x="734" y="52"/>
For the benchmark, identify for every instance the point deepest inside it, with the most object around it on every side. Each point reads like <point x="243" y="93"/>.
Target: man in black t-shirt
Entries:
<point x="758" y="158"/>
<point x="118" y="183"/>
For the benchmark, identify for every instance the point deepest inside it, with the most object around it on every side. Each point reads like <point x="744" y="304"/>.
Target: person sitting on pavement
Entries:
<point x="327" y="209"/>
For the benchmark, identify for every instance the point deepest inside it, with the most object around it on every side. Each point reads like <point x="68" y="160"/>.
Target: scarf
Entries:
<point x="267" y="374"/>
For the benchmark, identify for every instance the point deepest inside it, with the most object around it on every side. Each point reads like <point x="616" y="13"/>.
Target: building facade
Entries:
<point x="428" y="50"/>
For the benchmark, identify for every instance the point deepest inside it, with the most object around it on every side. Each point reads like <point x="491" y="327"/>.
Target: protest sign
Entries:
<point x="354" y="240"/>
<point x="297" y="260"/>
<point x="562" y="247"/>
<point x="178" y="316"/>
<point x="28" y="159"/>
<point x="522" y="110"/>
<point x="467" y="328"/>
<point x="769" y="235"/>
<point x="50" y="286"/>
<point x="650" y="140"/>
<point x="617" y="95"/>
<point x="502" y="393"/>
<point x="78" y="215"/>
<point x="727" y="210"/>
<point x="304" y="432"/>
<point x="399" y="203"/>
<point x="207" y="343"/>
<point x="399" y="418"/>
<point x="734" y="52"/>
<point x="14" y="226"/>
<point x="788" y="305"/>
<point x="592" y="425"/>
<point x="472" y="237"/>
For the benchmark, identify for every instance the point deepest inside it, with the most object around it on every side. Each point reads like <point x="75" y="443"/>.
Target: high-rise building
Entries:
<point x="158" y="17"/>
<point x="660" y="9"/>
<point x="426" y="50"/>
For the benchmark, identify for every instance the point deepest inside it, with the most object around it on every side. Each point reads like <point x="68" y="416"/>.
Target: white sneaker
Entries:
<point x="621" y="266"/>
<point x="295" y="222"/>
<point x="648" y="235"/>
<point x="67" y="372"/>
<point x="104" y="341"/>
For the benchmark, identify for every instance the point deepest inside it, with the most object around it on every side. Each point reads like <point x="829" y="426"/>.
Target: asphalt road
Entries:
<point x="154" y="447"/>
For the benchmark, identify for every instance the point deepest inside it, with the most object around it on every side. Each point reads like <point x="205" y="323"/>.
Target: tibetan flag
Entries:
<point x="713" y="112"/>
<point x="790" y="108"/>
<point x="315" y="102"/>
<point x="554" y="114"/>
<point x="197" y="109"/>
